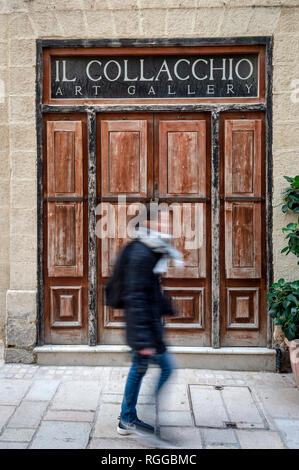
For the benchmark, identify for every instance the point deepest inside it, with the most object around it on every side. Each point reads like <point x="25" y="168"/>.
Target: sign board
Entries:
<point x="154" y="76"/>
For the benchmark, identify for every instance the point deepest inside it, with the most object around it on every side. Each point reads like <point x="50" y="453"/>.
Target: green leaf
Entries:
<point x="290" y="331"/>
<point x="292" y="298"/>
<point x="292" y="226"/>
<point x="290" y="180"/>
<point x="284" y="249"/>
<point x="275" y="306"/>
<point x="286" y="303"/>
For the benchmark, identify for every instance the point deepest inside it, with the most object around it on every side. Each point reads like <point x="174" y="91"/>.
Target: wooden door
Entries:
<point x="163" y="158"/>
<point x="182" y="180"/>
<point x="65" y="230"/>
<point x="243" y="310"/>
<point x="125" y="168"/>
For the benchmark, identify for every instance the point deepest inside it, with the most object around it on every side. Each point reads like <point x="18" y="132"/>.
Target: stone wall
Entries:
<point x="23" y="21"/>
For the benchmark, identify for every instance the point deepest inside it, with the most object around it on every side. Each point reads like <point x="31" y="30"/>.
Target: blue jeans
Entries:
<point x="138" y="369"/>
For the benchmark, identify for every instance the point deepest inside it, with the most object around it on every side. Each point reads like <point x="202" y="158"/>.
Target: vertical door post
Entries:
<point x="92" y="242"/>
<point x="269" y="182"/>
<point x="215" y="230"/>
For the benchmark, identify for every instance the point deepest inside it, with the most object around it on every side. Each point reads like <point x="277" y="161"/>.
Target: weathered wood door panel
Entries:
<point x="188" y="228"/>
<point x="65" y="239"/>
<point x="124" y="158"/>
<point x="65" y="269"/>
<point x="182" y="158"/>
<point x="243" y="147"/>
<point x="242" y="240"/>
<point x="243" y="312"/>
<point x="161" y="158"/>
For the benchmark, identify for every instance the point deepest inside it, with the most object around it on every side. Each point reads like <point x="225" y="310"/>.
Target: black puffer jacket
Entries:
<point x="144" y="303"/>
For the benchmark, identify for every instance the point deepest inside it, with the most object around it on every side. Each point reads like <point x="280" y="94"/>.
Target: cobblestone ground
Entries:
<point x="77" y="407"/>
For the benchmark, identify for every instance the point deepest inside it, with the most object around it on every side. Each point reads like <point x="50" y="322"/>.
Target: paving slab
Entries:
<point x="174" y="397"/>
<point x="57" y="415"/>
<point x="28" y="414"/>
<point x="12" y="391"/>
<point x="61" y="435"/>
<point x="75" y="395"/>
<point x="207" y="406"/>
<point x="280" y="403"/>
<point x="214" y="407"/>
<point x="5" y="413"/>
<point x="17" y="434"/>
<point x="121" y="443"/>
<point x="219" y="436"/>
<point x="175" y="418"/>
<point x="259" y="440"/>
<point x="182" y="437"/>
<point x="42" y="390"/>
<point x="241" y="407"/>
<point x="289" y="429"/>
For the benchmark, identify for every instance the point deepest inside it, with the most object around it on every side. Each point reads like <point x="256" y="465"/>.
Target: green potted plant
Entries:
<point x="283" y="303"/>
<point x="283" y="297"/>
<point x="291" y="195"/>
<point x="293" y="239"/>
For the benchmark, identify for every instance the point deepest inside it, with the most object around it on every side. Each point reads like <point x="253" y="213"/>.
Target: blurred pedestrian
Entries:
<point x="141" y="263"/>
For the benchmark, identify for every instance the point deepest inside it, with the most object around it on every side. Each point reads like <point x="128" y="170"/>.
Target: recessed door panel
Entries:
<point x="242" y="240"/>
<point x="182" y="152"/>
<point x="64" y="158"/>
<point x="243" y="157"/>
<point x="124" y="157"/>
<point x="65" y="239"/>
<point x="188" y="228"/>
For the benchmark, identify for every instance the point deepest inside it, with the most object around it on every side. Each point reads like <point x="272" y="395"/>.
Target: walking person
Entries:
<point x="143" y="261"/>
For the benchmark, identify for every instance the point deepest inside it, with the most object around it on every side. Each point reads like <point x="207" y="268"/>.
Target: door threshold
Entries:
<point x="187" y="357"/>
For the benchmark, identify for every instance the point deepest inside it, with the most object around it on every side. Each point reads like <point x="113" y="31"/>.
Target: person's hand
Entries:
<point x="147" y="351"/>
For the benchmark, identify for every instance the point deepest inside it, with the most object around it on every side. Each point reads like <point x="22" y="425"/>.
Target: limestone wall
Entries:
<point x="23" y="21"/>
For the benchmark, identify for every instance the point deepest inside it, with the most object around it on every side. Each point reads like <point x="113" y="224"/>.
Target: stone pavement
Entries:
<point x="77" y="407"/>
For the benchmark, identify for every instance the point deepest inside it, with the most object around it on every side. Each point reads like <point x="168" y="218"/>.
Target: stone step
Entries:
<point x="234" y="358"/>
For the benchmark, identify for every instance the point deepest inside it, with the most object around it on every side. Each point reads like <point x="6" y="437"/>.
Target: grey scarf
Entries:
<point x="160" y="243"/>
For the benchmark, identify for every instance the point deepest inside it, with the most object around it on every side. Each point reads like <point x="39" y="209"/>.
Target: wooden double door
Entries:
<point x="165" y="158"/>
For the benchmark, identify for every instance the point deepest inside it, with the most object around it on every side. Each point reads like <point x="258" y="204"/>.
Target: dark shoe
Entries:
<point x="143" y="427"/>
<point x="126" y="429"/>
<point x="137" y="427"/>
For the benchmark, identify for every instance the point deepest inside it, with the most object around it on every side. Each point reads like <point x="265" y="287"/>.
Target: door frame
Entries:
<point x="215" y="108"/>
